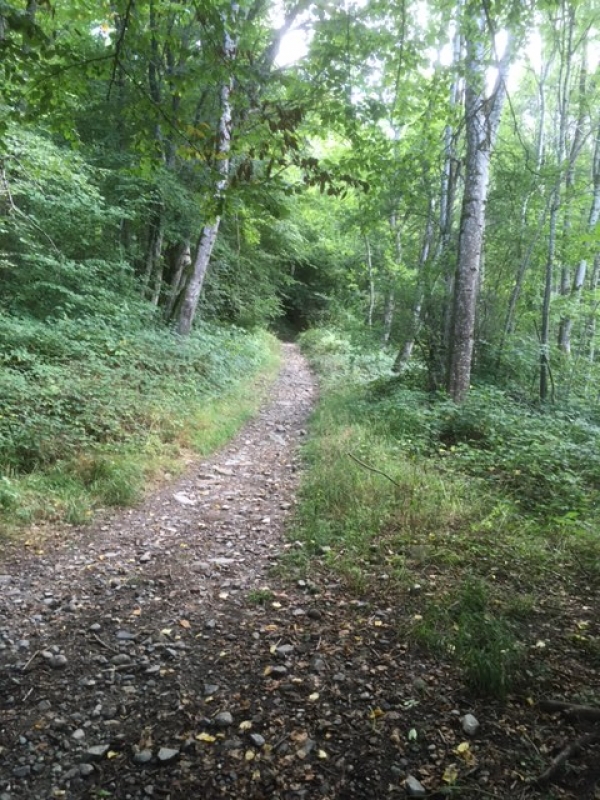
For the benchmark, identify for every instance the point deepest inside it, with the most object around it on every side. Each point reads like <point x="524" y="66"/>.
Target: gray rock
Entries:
<point x="58" y="662"/>
<point x="145" y="558"/>
<point x="210" y="689"/>
<point x="97" y="752"/>
<point x="120" y="660"/>
<point x="22" y="772"/>
<point x="95" y="627"/>
<point x="223" y="719"/>
<point x="279" y="671"/>
<point x="78" y="735"/>
<point x="318" y="665"/>
<point x="257" y="740"/>
<point x="285" y="650"/>
<point x="167" y="754"/>
<point x="143" y="757"/>
<point x="470" y="724"/>
<point x="86" y="769"/>
<point x="126" y="636"/>
<point x="414" y="788"/>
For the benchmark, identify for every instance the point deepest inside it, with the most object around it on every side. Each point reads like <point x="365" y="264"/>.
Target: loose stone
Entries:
<point x="470" y="724"/>
<point x="223" y="720"/>
<point x="414" y="788"/>
<point x="167" y="754"/>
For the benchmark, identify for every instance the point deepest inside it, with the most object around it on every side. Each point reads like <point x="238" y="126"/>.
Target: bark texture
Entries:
<point x="482" y="117"/>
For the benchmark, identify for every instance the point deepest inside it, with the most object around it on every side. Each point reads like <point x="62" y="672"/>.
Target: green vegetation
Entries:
<point x="484" y="511"/>
<point x="91" y="413"/>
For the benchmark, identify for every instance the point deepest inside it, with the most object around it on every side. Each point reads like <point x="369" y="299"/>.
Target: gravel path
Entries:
<point x="143" y="657"/>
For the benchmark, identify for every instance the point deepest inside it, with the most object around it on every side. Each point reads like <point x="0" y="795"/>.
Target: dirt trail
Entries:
<point x="142" y="657"/>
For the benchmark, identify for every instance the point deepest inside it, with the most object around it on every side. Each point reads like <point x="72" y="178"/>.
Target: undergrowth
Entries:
<point x="473" y="518"/>
<point x="92" y="412"/>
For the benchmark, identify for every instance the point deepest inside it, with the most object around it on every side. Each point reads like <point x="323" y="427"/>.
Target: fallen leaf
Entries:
<point x="450" y="774"/>
<point x="206" y="737"/>
<point x="185" y="624"/>
<point x="246" y="725"/>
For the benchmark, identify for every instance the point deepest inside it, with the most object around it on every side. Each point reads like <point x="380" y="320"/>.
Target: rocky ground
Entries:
<point x="156" y="654"/>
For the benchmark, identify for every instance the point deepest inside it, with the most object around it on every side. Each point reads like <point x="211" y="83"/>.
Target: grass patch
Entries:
<point x="150" y="431"/>
<point x="489" y="572"/>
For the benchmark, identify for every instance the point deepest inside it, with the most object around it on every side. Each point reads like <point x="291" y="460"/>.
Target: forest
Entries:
<point x="409" y="190"/>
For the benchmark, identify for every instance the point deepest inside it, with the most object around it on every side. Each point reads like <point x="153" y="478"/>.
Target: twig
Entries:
<point x="33" y="657"/>
<point x="374" y="469"/>
<point x="565" y="754"/>
<point x="103" y="643"/>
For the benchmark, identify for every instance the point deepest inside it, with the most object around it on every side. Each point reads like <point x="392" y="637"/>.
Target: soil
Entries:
<point x="160" y="653"/>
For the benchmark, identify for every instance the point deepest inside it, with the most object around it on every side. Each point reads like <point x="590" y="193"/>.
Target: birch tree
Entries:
<point x="482" y="118"/>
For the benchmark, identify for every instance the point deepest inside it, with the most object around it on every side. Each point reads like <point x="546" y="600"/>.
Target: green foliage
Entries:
<point x="440" y="515"/>
<point x="82" y="400"/>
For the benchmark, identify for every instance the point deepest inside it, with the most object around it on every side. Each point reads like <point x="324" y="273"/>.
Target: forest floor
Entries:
<point x="161" y="653"/>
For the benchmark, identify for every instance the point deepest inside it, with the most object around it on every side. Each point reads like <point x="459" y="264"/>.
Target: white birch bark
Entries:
<point x="482" y="118"/>
<point x="209" y="233"/>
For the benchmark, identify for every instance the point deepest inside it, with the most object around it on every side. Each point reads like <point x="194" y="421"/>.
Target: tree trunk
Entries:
<point x="405" y="353"/>
<point x="371" y="282"/>
<point x="482" y="117"/>
<point x="566" y="49"/>
<point x="568" y="287"/>
<point x="209" y="233"/>
<point x="182" y="261"/>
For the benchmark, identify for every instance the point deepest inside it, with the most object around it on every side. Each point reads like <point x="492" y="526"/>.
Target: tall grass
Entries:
<point x="447" y="514"/>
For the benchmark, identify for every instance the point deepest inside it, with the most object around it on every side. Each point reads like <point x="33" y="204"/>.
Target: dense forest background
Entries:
<point x="421" y="179"/>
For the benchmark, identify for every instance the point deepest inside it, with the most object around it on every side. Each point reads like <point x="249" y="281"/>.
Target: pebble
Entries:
<point x="279" y="671"/>
<point x="58" y="662"/>
<point x="223" y="720"/>
<point x="470" y="724"/>
<point x="143" y="757"/>
<point x="86" y="769"/>
<point x="285" y="650"/>
<point x="167" y="754"/>
<point x="120" y="660"/>
<point x="22" y="772"/>
<point x="97" y="752"/>
<point x="257" y="740"/>
<point x="414" y="788"/>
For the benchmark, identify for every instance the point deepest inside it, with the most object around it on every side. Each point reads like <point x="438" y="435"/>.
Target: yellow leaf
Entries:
<point x="276" y="604"/>
<point x="374" y="713"/>
<point x="250" y="755"/>
<point x="267" y="671"/>
<point x="273" y="649"/>
<point x="223" y="595"/>
<point x="313" y="697"/>
<point x="206" y="737"/>
<point x="462" y="747"/>
<point x="378" y="623"/>
<point x="112" y="754"/>
<point x="322" y="754"/>
<point x="136" y="612"/>
<point x="166" y="632"/>
<point x="246" y="725"/>
<point x="450" y="774"/>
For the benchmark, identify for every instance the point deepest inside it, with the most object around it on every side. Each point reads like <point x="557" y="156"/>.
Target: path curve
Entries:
<point x="144" y="659"/>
